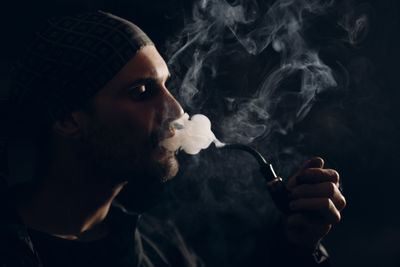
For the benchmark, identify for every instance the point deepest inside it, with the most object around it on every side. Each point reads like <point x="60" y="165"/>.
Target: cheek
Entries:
<point x="139" y="126"/>
<point x="137" y="121"/>
<point x="133" y="124"/>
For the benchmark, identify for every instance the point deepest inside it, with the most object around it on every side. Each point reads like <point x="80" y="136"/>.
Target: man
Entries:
<point x="92" y="88"/>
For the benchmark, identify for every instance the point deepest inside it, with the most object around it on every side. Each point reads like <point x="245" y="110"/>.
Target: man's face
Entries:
<point x="128" y="119"/>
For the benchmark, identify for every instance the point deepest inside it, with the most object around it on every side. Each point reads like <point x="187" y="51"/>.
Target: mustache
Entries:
<point x="166" y="130"/>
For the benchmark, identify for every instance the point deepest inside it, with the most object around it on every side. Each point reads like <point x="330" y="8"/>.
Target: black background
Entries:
<point x="355" y="129"/>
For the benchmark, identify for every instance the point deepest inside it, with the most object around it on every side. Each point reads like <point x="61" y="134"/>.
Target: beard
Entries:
<point x="116" y="156"/>
<point x="121" y="156"/>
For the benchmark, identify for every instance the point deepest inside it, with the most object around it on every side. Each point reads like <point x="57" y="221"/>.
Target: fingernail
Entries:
<point x="316" y="162"/>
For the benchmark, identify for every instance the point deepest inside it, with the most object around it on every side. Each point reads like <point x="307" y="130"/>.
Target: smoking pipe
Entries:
<point x="275" y="184"/>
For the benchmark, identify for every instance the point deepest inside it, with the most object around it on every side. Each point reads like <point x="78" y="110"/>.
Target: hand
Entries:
<point x="316" y="203"/>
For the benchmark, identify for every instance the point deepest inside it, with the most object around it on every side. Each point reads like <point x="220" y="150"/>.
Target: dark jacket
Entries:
<point x="125" y="246"/>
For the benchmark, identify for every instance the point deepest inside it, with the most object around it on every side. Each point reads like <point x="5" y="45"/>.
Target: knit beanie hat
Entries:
<point x="70" y="60"/>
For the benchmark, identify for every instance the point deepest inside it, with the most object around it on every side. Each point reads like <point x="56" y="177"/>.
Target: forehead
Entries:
<point x="147" y="63"/>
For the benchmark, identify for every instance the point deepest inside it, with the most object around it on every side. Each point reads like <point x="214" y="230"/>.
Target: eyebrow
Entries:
<point x="146" y="81"/>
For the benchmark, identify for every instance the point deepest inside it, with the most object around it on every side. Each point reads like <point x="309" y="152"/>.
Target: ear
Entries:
<point x="70" y="126"/>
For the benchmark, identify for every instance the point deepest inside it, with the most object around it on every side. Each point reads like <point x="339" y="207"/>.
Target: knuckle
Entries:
<point x="326" y="228"/>
<point x="337" y="218"/>
<point x="312" y="174"/>
<point x="341" y="203"/>
<point x="335" y="176"/>
<point x="331" y="189"/>
<point x="319" y="172"/>
<point x="327" y="203"/>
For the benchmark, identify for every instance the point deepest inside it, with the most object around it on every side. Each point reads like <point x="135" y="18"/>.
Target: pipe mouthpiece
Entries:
<point x="266" y="168"/>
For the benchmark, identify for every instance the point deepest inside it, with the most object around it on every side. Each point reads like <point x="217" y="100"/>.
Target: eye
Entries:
<point x="139" y="92"/>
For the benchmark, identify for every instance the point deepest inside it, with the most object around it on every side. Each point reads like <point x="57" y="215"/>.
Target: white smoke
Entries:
<point x="191" y="135"/>
<point x="356" y="22"/>
<point x="221" y="27"/>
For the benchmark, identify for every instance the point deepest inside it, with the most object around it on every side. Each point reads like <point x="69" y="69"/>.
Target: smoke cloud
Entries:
<point x="222" y="28"/>
<point x="191" y="135"/>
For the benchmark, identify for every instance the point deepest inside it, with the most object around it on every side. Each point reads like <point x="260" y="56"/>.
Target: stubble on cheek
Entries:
<point x="172" y="167"/>
<point x="128" y="153"/>
<point x="164" y="164"/>
<point x="161" y="159"/>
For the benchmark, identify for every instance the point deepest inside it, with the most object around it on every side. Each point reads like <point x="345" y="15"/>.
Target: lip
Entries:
<point x="165" y="132"/>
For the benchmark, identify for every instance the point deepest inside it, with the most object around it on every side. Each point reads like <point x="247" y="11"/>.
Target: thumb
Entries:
<point x="316" y="162"/>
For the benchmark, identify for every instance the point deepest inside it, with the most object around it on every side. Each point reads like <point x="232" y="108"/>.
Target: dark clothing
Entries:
<point x="115" y="249"/>
<point x="123" y="246"/>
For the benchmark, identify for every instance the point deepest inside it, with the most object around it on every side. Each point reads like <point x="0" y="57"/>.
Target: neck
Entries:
<point x="70" y="202"/>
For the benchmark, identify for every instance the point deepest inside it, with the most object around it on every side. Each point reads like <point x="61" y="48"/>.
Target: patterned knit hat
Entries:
<point x="70" y="60"/>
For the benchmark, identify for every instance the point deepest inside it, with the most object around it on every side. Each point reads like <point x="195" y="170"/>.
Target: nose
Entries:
<point x="169" y="110"/>
<point x="170" y="107"/>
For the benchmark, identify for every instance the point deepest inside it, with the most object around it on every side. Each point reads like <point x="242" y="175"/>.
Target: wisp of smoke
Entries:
<point x="251" y="27"/>
<point x="356" y="22"/>
<point x="191" y="135"/>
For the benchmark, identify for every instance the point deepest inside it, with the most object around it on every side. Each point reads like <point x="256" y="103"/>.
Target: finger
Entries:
<point x="324" y="208"/>
<point x="315" y="162"/>
<point x="321" y="190"/>
<point x="317" y="175"/>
